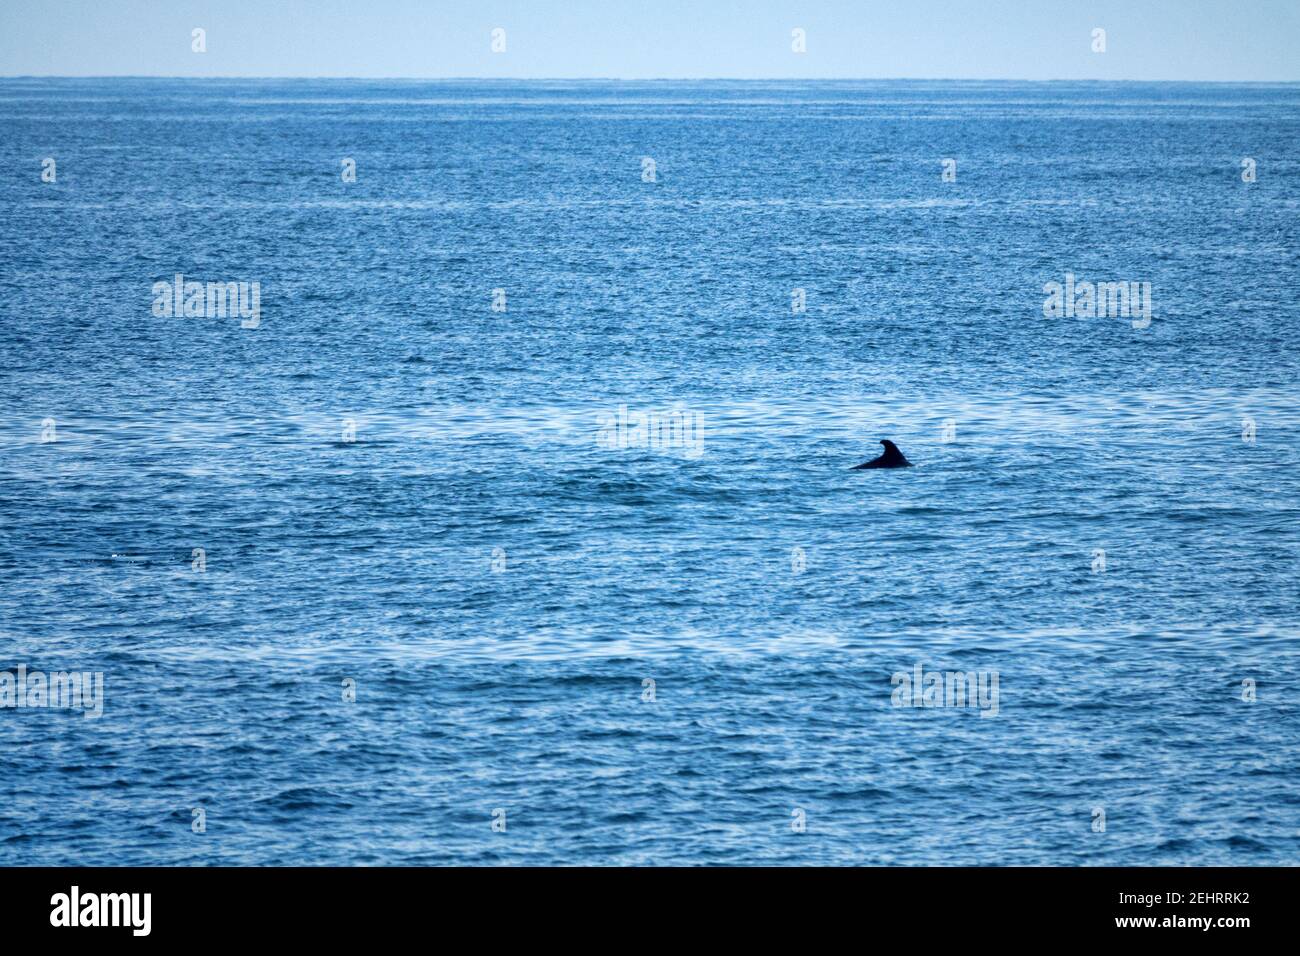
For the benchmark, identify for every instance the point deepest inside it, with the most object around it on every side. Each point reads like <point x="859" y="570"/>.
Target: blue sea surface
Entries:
<point x="674" y="652"/>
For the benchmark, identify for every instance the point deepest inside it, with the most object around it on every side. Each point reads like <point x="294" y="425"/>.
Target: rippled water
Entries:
<point x="500" y="586"/>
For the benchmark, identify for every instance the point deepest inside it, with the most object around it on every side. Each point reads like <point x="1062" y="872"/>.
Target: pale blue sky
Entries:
<point x="979" y="39"/>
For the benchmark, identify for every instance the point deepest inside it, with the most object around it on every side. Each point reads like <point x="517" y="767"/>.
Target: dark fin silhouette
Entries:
<point x="892" y="458"/>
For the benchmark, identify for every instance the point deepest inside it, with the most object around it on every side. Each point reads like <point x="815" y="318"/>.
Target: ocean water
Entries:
<point x="682" y="649"/>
